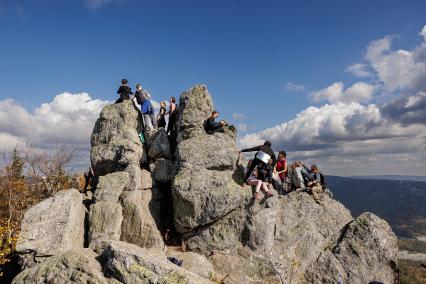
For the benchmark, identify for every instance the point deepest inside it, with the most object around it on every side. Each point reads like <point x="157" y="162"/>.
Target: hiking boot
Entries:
<point x="269" y="194"/>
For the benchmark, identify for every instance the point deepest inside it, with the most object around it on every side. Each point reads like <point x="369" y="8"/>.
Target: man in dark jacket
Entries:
<point x="124" y="91"/>
<point x="210" y="126"/>
<point x="262" y="157"/>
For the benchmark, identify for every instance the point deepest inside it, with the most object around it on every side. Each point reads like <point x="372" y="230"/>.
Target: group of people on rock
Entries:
<point x="149" y="120"/>
<point x="265" y="171"/>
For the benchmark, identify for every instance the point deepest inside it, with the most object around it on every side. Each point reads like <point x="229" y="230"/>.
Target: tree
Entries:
<point x="27" y="178"/>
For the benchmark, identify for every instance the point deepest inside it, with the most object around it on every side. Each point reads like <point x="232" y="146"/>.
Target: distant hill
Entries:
<point x="393" y="177"/>
<point x="401" y="202"/>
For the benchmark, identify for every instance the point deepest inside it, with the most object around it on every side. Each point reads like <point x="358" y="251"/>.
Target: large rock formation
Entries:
<point x="228" y="237"/>
<point x="54" y="225"/>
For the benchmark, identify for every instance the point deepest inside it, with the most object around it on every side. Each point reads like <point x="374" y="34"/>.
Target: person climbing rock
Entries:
<point x="264" y="153"/>
<point x="141" y="95"/>
<point x="211" y="126"/>
<point x="124" y="91"/>
<point x="257" y="182"/>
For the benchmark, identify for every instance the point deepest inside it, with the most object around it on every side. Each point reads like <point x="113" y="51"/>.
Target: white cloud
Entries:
<point x="358" y="92"/>
<point x="96" y="4"/>
<point x="398" y="70"/>
<point x="351" y="131"/>
<point x="238" y="116"/>
<point x="423" y="32"/>
<point x="242" y="127"/>
<point x="67" y="120"/>
<point x="359" y="70"/>
<point x="290" y="86"/>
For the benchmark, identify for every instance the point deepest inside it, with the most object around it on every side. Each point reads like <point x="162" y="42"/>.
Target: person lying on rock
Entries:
<point x="124" y="91"/>
<point x="211" y="126"/>
<point x="262" y="157"/>
<point x="257" y="182"/>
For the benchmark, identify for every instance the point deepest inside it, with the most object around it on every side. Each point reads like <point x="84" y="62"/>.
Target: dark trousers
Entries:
<point x="219" y="129"/>
<point x="254" y="164"/>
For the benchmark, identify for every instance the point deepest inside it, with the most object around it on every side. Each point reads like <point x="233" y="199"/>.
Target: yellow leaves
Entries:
<point x="8" y="239"/>
<point x="25" y="180"/>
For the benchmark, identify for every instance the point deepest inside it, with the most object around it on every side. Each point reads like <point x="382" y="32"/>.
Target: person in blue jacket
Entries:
<point x="147" y="110"/>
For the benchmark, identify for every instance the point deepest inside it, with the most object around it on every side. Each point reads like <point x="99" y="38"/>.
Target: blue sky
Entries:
<point x="246" y="52"/>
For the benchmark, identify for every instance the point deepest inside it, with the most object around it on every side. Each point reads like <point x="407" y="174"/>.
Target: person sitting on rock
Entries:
<point x="310" y="184"/>
<point x="319" y="186"/>
<point x="258" y="183"/>
<point x="262" y="157"/>
<point x="298" y="181"/>
<point x="210" y="126"/>
<point x="280" y="171"/>
<point x="161" y="120"/>
<point x="124" y="91"/>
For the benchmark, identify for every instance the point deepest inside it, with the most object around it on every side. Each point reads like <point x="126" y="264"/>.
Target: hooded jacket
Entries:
<point x="124" y="92"/>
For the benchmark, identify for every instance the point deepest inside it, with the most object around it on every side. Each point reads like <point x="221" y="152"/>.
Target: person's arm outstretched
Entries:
<point x="257" y="148"/>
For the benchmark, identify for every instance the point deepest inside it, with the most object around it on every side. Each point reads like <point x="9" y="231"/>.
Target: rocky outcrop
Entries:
<point x="115" y="142"/>
<point x="110" y="187"/>
<point x="132" y="264"/>
<point x="54" y="225"/>
<point x="73" y="266"/>
<point x="105" y="221"/>
<point x="227" y="237"/>
<point x="204" y="189"/>
<point x="140" y="219"/>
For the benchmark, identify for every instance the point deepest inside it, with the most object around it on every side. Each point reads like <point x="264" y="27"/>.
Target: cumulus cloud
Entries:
<point x="292" y="87"/>
<point x="349" y="131"/>
<point x="350" y="135"/>
<point x="67" y="120"/>
<point x="358" y="92"/>
<point x="407" y="110"/>
<point x="359" y="70"/>
<point x="396" y="69"/>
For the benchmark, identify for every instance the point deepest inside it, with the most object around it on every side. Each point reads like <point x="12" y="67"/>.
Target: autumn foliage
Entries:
<point x="26" y="178"/>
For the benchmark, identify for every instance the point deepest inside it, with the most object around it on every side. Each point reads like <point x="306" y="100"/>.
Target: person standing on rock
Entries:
<point x="264" y="153"/>
<point x="211" y="126"/>
<point x="172" y="125"/>
<point x="172" y="106"/>
<point x="144" y="99"/>
<point x="161" y="121"/>
<point x="147" y="110"/>
<point x="124" y="91"/>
